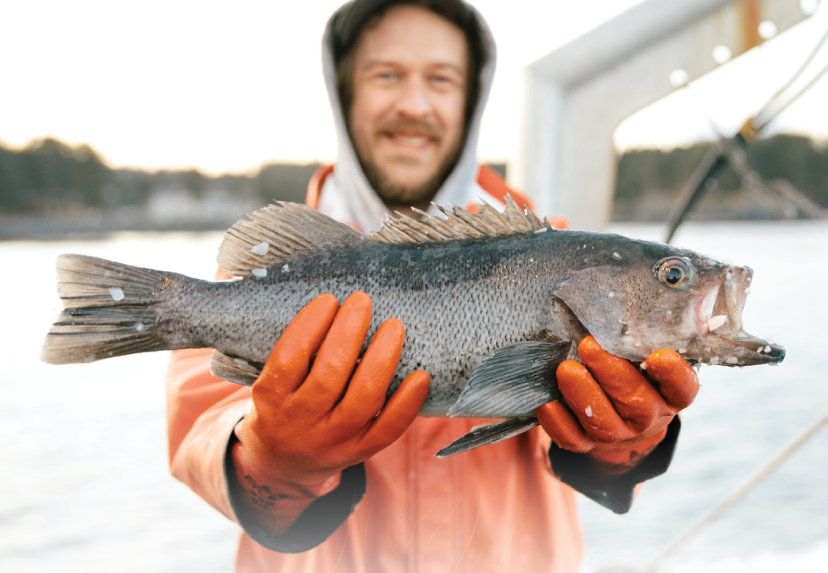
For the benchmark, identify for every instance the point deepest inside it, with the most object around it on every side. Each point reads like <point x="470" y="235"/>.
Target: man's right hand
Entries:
<point x="315" y="411"/>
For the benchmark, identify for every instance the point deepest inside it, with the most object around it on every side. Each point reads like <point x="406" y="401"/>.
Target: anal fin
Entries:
<point x="236" y="370"/>
<point x="489" y="433"/>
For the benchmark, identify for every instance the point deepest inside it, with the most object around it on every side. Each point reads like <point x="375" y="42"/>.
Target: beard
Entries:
<point x="396" y="193"/>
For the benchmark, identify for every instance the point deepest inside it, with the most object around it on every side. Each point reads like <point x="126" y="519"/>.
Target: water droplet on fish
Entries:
<point x="682" y="351"/>
<point x="669" y="312"/>
<point x="259" y="272"/>
<point x="707" y="349"/>
<point x="116" y="294"/>
<point x="732" y="360"/>
<point x="729" y="275"/>
<point x="139" y="327"/>
<point x="260" y="249"/>
<point x="644" y="365"/>
<point x="285" y="268"/>
<point x="588" y="411"/>
<point x="611" y="294"/>
<point x="747" y="290"/>
<point x="616" y="256"/>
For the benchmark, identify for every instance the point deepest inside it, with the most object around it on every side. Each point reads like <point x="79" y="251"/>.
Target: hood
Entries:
<point x="348" y="176"/>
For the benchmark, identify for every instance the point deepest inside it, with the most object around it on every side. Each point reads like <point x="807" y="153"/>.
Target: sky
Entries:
<point x="226" y="87"/>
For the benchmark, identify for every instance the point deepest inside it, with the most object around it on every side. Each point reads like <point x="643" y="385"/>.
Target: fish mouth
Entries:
<point x="721" y="338"/>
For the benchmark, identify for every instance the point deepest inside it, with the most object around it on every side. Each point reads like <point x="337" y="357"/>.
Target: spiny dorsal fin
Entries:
<point x="265" y="238"/>
<point x="459" y="224"/>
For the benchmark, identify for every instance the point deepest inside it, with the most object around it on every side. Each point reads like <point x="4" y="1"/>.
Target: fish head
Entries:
<point x="656" y="296"/>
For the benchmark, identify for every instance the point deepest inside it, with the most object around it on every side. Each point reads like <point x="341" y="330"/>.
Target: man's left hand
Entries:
<point x="611" y="410"/>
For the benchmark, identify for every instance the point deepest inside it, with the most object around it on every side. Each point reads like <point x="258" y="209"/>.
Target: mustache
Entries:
<point x="424" y="128"/>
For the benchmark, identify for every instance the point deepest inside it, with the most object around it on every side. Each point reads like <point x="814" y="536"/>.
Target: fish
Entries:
<point x="492" y="303"/>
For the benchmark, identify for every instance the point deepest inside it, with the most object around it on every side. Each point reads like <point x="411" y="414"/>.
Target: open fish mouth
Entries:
<point x="721" y="338"/>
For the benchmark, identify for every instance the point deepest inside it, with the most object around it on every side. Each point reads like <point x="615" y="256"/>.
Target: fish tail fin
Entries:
<point x="110" y="309"/>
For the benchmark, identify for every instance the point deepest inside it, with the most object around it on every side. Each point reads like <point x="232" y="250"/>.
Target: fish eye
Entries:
<point x="675" y="272"/>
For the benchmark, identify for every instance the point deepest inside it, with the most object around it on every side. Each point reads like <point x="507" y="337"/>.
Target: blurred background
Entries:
<point x="140" y="132"/>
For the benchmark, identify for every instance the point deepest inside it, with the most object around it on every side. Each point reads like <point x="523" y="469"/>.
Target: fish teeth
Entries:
<point x="708" y="304"/>
<point x="716" y="322"/>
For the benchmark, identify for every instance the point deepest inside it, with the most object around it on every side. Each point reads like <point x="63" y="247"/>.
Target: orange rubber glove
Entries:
<point x="307" y="423"/>
<point x="614" y="412"/>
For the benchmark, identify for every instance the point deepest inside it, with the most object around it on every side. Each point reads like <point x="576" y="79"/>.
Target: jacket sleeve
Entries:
<point x="613" y="492"/>
<point x="202" y="413"/>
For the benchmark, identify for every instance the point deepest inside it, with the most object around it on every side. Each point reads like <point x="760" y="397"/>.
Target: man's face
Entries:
<point x="406" y="116"/>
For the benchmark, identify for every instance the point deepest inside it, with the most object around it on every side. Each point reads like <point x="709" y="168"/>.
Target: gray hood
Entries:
<point x="368" y="210"/>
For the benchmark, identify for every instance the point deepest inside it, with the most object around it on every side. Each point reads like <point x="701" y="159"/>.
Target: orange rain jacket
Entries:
<point x="496" y="508"/>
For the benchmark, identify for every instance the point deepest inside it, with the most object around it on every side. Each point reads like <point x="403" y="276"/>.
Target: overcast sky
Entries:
<point x="221" y="86"/>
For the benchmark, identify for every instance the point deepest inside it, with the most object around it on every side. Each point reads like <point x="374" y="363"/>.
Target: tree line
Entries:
<point x="51" y="176"/>
<point x="649" y="180"/>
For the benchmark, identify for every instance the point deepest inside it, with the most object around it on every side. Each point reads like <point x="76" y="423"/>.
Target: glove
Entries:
<point x="611" y="410"/>
<point x="307" y="423"/>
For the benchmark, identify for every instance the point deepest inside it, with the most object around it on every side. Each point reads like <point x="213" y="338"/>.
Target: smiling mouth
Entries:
<point x="408" y="140"/>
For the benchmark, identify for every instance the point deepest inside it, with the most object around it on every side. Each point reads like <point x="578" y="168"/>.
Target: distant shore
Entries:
<point x="98" y="224"/>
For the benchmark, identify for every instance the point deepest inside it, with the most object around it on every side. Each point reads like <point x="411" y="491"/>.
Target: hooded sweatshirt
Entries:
<point x="347" y="195"/>
<point x="497" y="508"/>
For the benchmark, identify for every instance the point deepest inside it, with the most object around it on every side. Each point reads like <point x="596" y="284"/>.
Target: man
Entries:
<point x="319" y="471"/>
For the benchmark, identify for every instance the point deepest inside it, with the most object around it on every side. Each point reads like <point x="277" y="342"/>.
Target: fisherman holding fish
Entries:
<point x="321" y="471"/>
<point x="322" y="482"/>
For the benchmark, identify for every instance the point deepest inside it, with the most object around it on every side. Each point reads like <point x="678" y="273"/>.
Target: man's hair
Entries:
<point x="454" y="12"/>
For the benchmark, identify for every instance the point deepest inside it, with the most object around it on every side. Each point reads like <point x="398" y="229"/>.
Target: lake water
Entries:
<point x="84" y="477"/>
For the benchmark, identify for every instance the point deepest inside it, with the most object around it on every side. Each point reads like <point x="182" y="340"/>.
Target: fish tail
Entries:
<point x="109" y="309"/>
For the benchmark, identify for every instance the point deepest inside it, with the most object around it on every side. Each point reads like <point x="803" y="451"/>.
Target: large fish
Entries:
<point x="491" y="302"/>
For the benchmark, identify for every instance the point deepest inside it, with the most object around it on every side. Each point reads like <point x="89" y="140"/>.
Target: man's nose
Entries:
<point x="414" y="99"/>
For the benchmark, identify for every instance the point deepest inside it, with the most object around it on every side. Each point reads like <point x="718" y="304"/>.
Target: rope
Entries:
<point x="755" y="124"/>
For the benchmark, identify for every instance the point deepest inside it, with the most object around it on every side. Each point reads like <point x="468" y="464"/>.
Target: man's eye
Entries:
<point x="444" y="81"/>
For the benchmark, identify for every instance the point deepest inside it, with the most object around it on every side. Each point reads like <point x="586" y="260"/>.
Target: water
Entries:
<point x="84" y="472"/>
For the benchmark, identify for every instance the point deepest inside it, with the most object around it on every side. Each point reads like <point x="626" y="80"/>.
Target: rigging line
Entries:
<point x="787" y="85"/>
<point x="715" y="159"/>
<point x="749" y="484"/>
<point x="796" y="96"/>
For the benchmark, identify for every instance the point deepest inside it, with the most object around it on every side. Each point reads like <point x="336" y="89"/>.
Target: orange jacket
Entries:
<point x="496" y="508"/>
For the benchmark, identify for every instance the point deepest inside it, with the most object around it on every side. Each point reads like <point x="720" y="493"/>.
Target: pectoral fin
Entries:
<point x="489" y="433"/>
<point x="512" y="381"/>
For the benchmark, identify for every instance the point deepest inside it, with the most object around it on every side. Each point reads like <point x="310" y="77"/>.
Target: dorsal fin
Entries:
<point x="459" y="224"/>
<point x="266" y="237"/>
